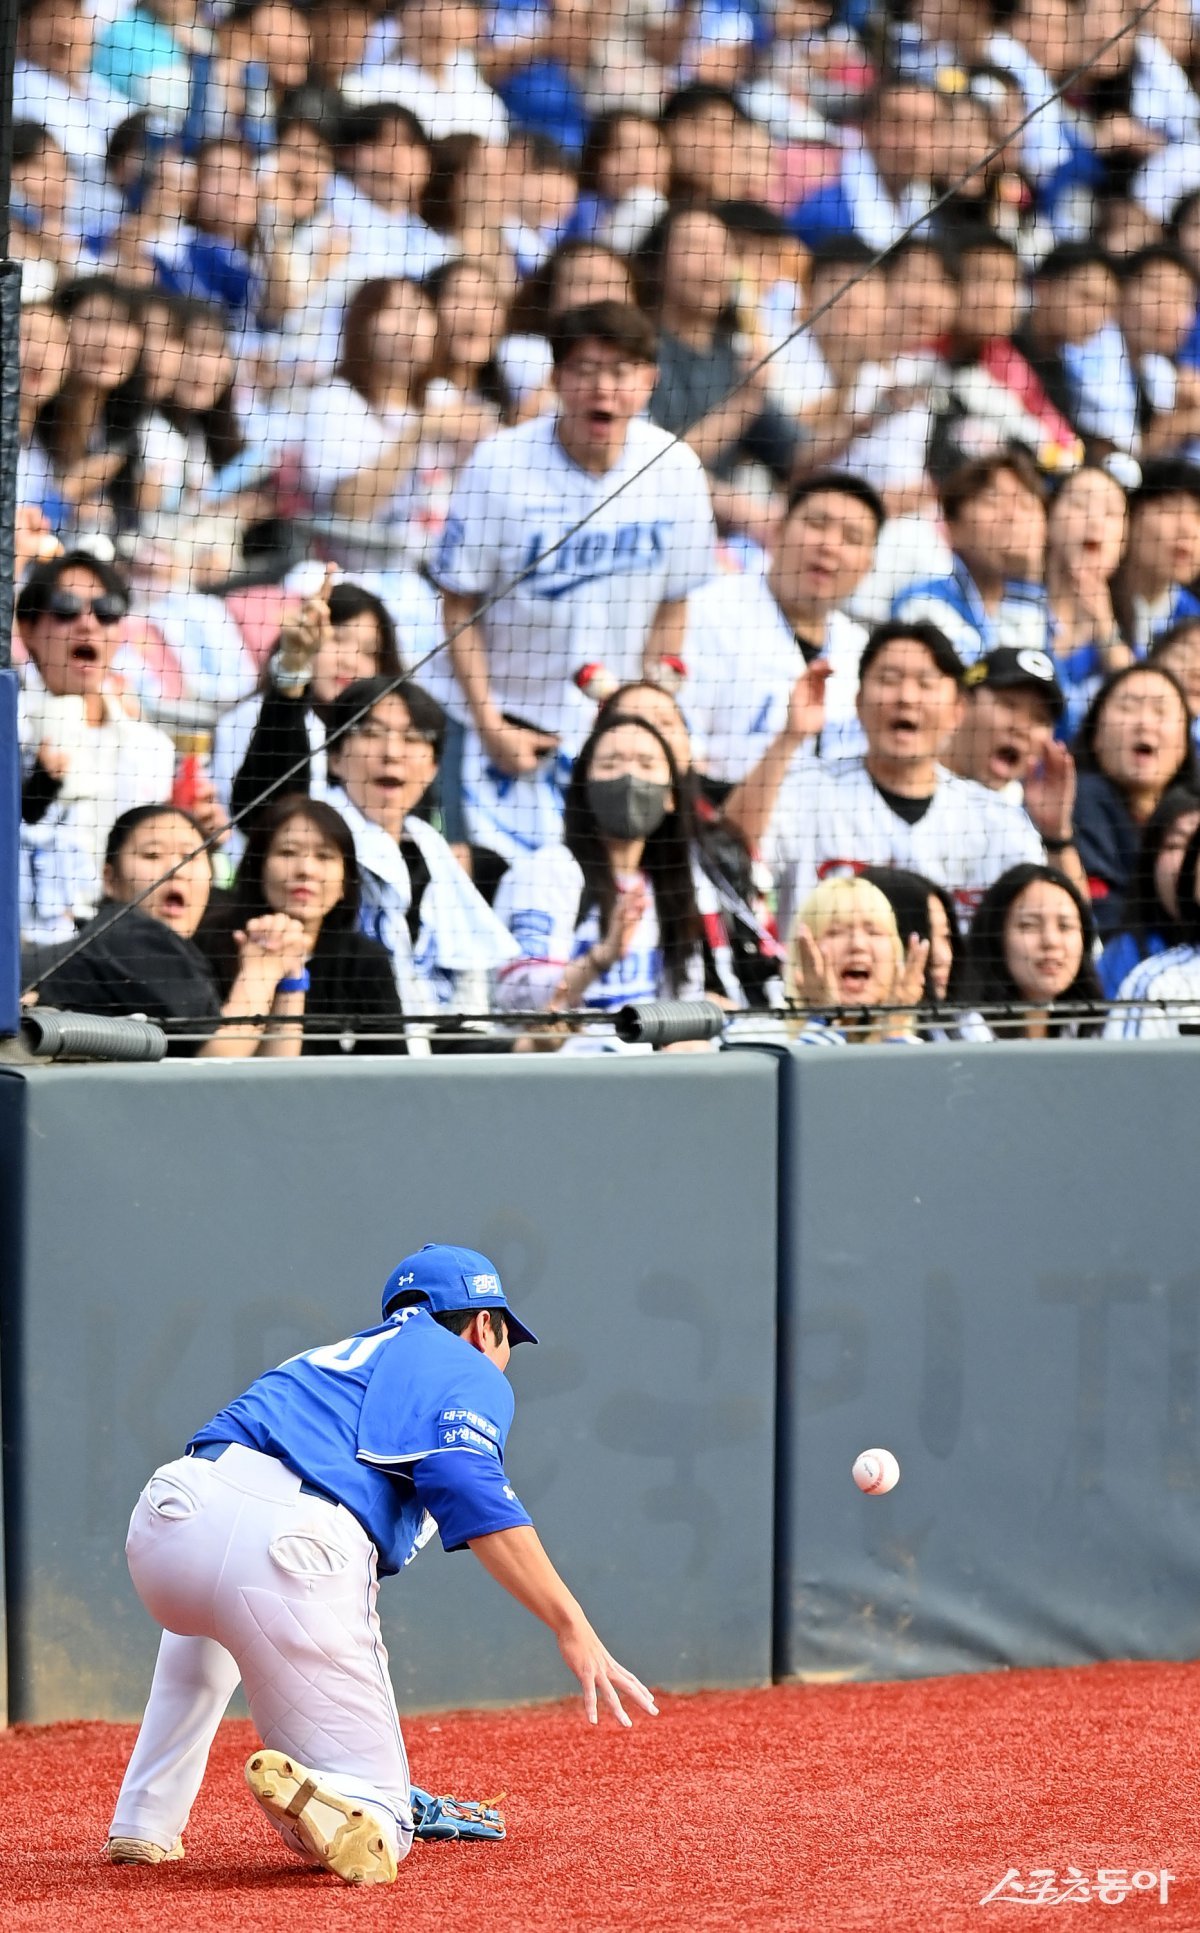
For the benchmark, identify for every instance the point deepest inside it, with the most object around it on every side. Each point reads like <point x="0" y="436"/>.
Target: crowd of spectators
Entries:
<point x="532" y="505"/>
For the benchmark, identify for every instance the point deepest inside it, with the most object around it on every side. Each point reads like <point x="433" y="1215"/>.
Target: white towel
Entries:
<point x="460" y="942"/>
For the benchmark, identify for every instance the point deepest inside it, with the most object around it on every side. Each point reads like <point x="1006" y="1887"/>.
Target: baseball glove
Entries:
<point x="447" y="1818"/>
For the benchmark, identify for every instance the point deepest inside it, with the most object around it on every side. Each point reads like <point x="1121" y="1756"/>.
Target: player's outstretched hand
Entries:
<point x="603" y="1680"/>
<point x="518" y="1563"/>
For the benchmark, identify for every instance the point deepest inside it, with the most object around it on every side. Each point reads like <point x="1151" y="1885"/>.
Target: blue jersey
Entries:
<point x="954" y="604"/>
<point x="823" y="216"/>
<point x="1149" y="622"/>
<point x="1122" y="954"/>
<point x="405" y="1424"/>
<point x="1080" y="675"/>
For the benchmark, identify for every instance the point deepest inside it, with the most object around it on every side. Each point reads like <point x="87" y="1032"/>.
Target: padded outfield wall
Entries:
<point x="171" y="1231"/>
<point x="984" y="1258"/>
<point x="991" y="1265"/>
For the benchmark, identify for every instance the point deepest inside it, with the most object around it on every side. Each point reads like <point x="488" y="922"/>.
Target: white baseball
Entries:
<point x="876" y="1471"/>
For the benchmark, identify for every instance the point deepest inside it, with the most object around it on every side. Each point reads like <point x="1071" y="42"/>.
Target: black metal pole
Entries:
<point x="8" y="57"/>
<point x="10" y="440"/>
<point x="10" y="335"/>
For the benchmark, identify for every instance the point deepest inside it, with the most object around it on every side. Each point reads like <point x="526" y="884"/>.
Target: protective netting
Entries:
<point x="532" y="508"/>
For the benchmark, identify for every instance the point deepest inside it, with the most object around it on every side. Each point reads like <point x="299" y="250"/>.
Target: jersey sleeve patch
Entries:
<point x="467" y="1429"/>
<point x="530" y="926"/>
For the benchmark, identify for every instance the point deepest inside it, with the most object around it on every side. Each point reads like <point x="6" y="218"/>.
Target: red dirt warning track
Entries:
<point x="823" y="1809"/>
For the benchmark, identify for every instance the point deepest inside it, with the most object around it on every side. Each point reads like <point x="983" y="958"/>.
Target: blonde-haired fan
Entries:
<point x="846" y="951"/>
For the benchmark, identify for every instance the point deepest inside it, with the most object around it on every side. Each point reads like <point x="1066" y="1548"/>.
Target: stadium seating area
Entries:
<point x="529" y="506"/>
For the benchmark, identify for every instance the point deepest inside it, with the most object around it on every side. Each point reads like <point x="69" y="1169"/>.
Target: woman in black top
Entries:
<point x="1151" y="922"/>
<point x="1134" y="744"/>
<point x="92" y="425"/>
<point x="139" y="954"/>
<point x="300" y="861"/>
<point x="341" y="634"/>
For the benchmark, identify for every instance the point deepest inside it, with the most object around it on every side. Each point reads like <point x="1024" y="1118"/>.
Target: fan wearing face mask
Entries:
<point x="608" y="916"/>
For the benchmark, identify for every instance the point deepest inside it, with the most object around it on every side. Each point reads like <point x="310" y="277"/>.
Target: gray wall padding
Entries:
<point x="180" y="1228"/>
<point x="992" y="1268"/>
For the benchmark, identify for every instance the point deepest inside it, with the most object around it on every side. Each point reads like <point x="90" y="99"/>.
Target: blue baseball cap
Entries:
<point x="452" y="1278"/>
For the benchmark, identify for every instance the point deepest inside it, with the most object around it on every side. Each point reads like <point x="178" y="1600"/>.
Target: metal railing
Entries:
<point x="667" y="1023"/>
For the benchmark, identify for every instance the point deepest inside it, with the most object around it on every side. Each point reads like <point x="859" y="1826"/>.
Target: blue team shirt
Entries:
<point x="401" y="1423"/>
<point x="823" y="216"/>
<point x="954" y="604"/>
<point x="1122" y="954"/>
<point x="213" y="271"/>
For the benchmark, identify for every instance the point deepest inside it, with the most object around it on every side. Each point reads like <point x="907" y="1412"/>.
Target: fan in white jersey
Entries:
<point x="586" y="525"/>
<point x="1031" y="948"/>
<point x="750" y="638"/>
<point x="1173" y="975"/>
<point x="895" y="806"/>
<point x="610" y="915"/>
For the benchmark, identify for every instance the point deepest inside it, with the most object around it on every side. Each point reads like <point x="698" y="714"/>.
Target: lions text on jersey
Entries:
<point x="595" y="557"/>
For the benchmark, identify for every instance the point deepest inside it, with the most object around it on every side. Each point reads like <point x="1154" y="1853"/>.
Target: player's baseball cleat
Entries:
<point x="141" y="1852"/>
<point x="341" y="1836"/>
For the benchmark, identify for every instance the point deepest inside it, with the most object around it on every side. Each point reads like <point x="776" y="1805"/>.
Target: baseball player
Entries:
<point x="619" y="515"/>
<point x="260" y="1550"/>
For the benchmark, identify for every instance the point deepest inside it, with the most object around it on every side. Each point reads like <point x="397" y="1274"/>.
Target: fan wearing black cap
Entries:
<point x="260" y="1552"/>
<point x="1006" y="742"/>
<point x="1153" y="588"/>
<point x="898" y="805"/>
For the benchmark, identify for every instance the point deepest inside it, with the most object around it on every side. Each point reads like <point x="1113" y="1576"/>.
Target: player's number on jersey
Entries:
<point x="350" y="1354"/>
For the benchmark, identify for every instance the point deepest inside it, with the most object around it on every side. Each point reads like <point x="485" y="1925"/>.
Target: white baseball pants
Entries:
<point x="252" y="1577"/>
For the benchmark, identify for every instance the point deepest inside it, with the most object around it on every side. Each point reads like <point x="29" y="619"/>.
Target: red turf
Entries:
<point x="841" y="1807"/>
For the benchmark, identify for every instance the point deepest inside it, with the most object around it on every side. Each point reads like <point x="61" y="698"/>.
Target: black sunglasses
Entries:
<point x="108" y="608"/>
